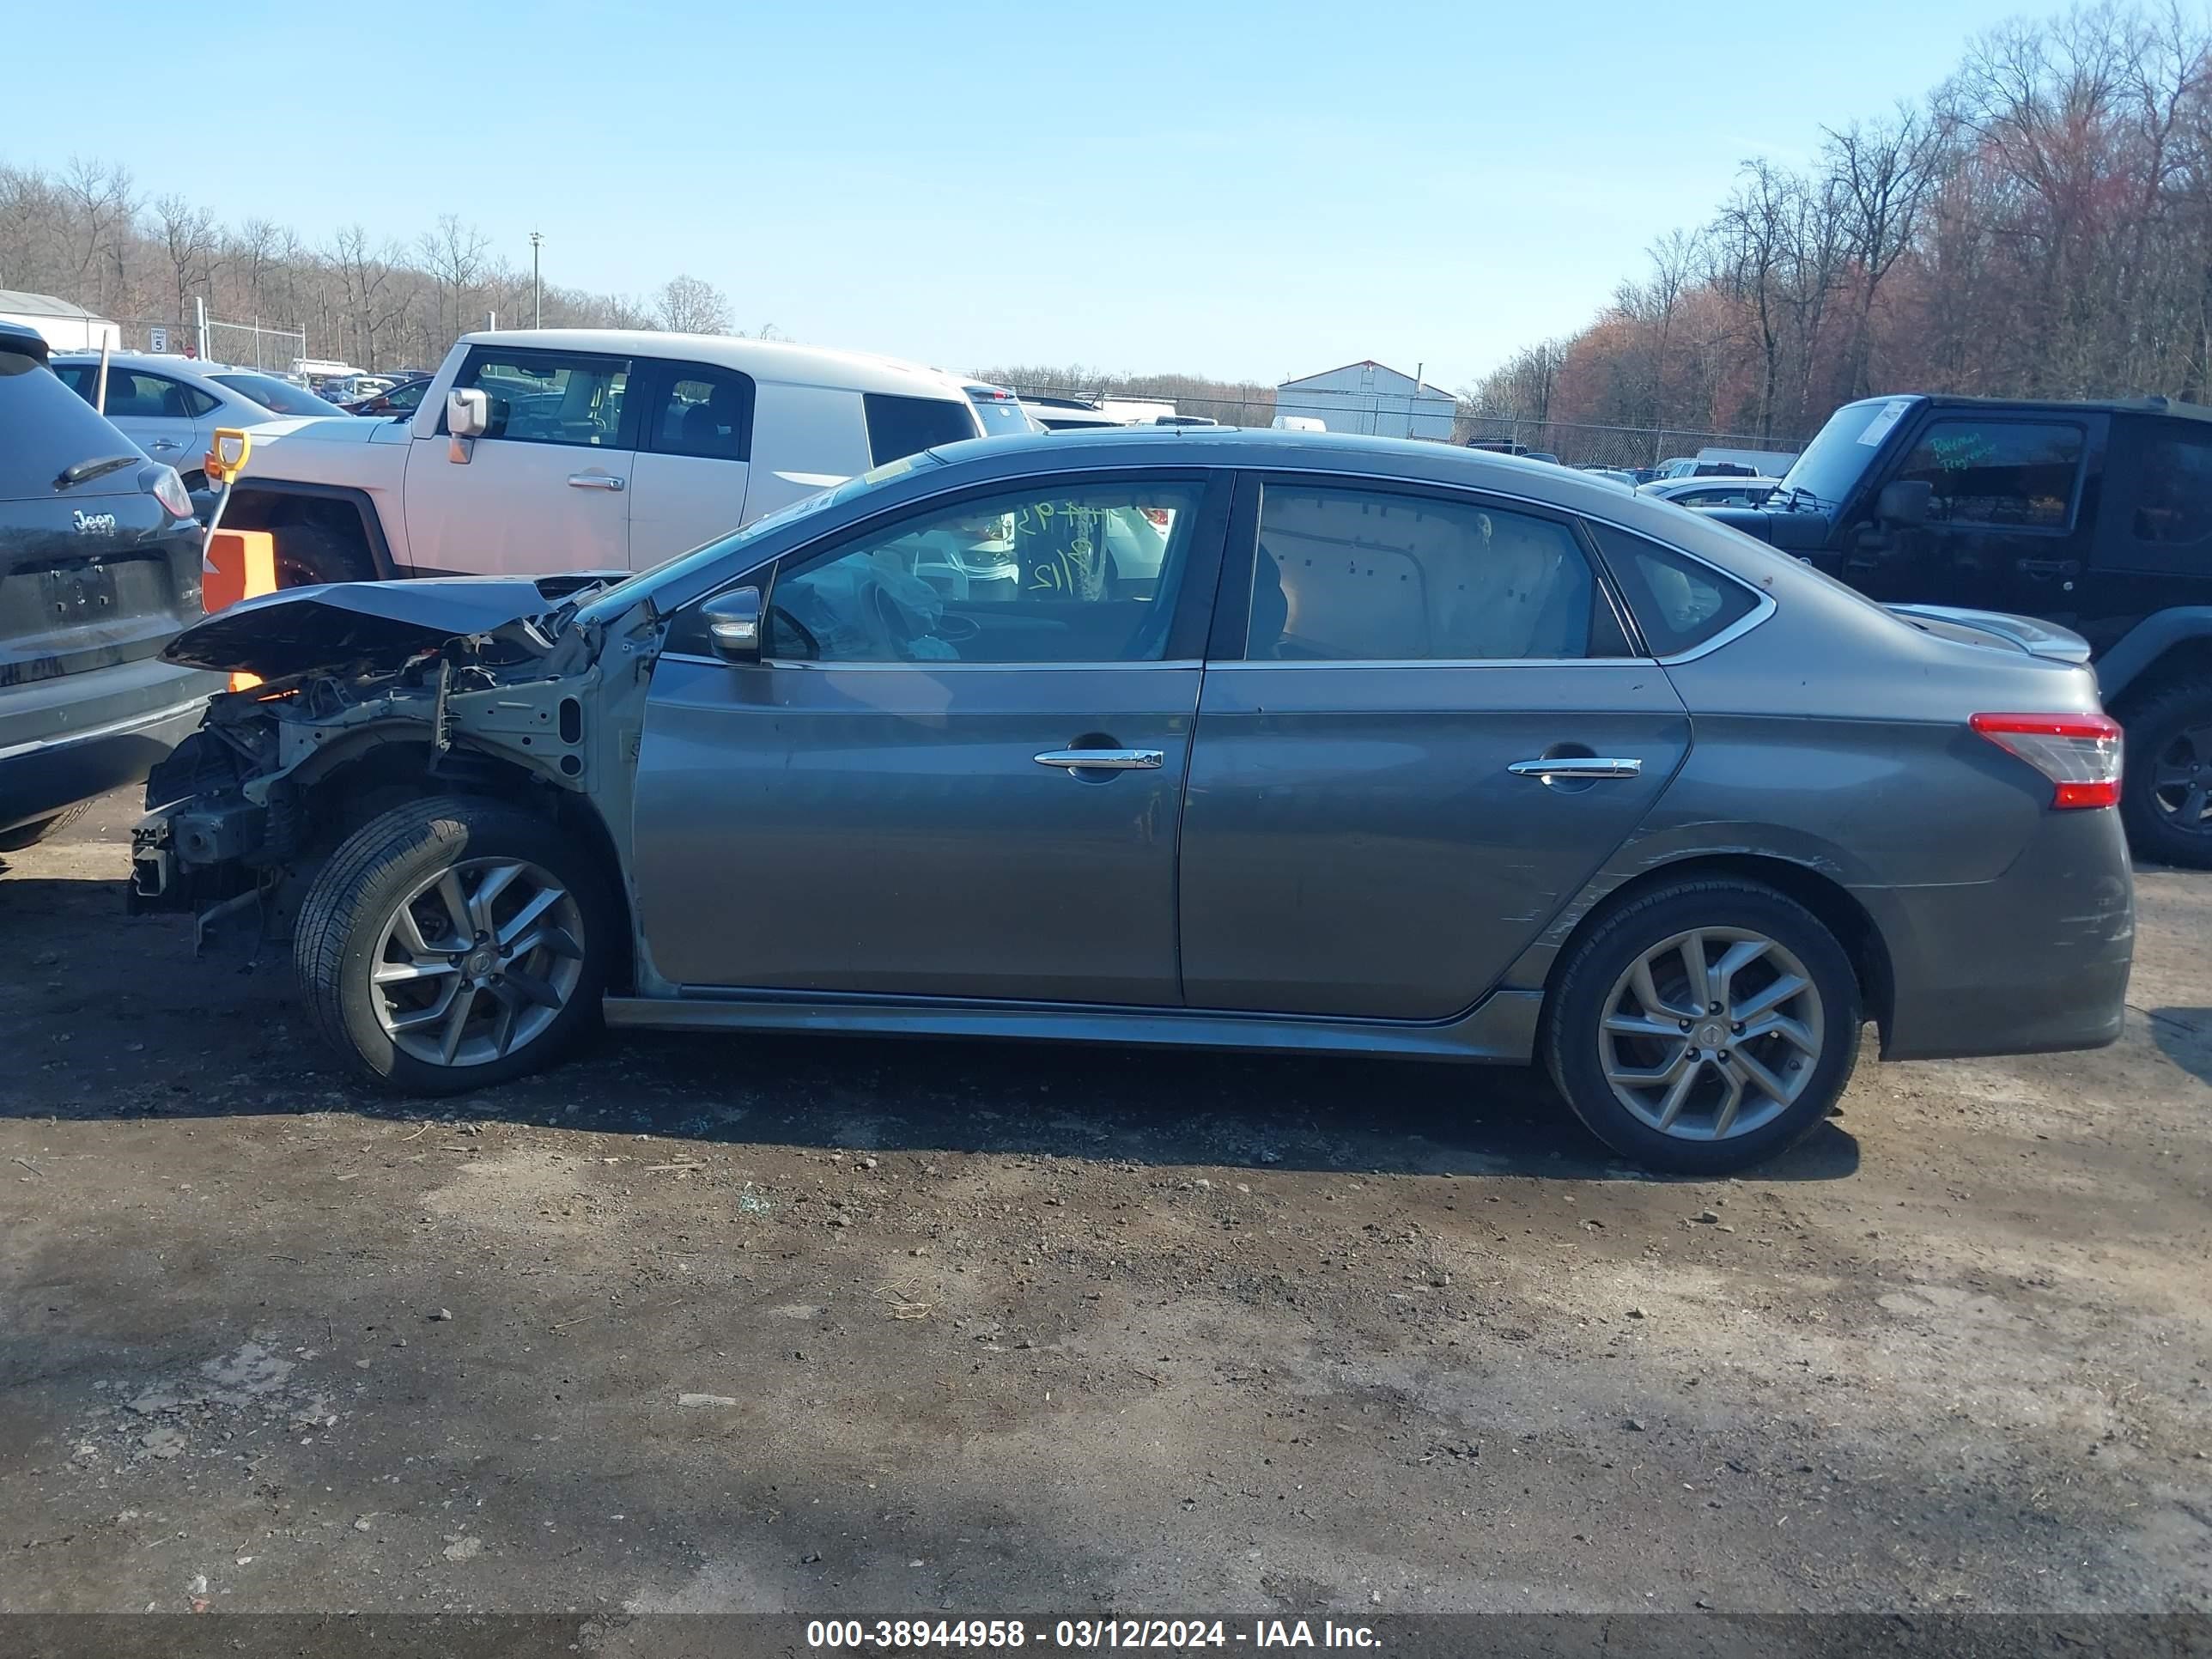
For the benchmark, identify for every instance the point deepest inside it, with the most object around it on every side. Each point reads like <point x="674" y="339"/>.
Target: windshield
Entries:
<point x="278" y="397"/>
<point x="1840" y="452"/>
<point x="610" y="601"/>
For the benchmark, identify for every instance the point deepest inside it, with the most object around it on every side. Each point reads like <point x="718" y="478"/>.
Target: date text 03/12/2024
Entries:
<point x="1082" y="1634"/>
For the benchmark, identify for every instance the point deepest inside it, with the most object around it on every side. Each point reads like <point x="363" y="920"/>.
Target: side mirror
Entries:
<point x="468" y="412"/>
<point x="1904" y="502"/>
<point x="733" y="624"/>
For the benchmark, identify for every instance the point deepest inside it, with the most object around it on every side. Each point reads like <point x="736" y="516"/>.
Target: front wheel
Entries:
<point x="455" y="943"/>
<point x="1705" y="1026"/>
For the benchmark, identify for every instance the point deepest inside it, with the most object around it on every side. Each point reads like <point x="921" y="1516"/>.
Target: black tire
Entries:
<point x="2158" y="730"/>
<point x="353" y="898"/>
<point x="307" y="555"/>
<point x="30" y="835"/>
<point x="1577" y="1008"/>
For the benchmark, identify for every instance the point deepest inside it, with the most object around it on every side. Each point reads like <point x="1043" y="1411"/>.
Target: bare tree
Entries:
<point x="688" y="305"/>
<point x="1884" y="171"/>
<point x="1754" y="231"/>
<point x="187" y="235"/>
<point x="453" y="254"/>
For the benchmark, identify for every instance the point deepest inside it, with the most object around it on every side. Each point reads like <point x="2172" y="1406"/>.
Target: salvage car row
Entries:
<point x="1208" y="737"/>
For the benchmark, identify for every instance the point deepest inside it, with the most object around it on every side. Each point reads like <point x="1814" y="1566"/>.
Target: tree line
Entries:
<point x="2040" y="225"/>
<point x="87" y="234"/>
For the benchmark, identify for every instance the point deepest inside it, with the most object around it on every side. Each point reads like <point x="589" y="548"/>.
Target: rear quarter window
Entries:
<point x="50" y="429"/>
<point x="899" y="427"/>
<point x="1679" y="602"/>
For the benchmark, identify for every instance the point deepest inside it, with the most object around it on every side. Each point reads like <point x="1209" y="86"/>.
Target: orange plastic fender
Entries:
<point x="241" y="564"/>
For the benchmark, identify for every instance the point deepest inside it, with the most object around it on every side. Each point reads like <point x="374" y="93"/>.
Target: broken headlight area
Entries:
<point x="236" y="817"/>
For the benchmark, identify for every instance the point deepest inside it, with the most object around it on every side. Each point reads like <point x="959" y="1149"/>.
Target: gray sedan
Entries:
<point x="1254" y="740"/>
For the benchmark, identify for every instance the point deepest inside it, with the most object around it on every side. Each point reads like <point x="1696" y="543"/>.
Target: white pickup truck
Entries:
<point x="600" y="449"/>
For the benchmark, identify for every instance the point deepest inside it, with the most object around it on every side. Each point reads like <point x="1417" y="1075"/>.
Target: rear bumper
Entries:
<point x="69" y="738"/>
<point x="2031" y="962"/>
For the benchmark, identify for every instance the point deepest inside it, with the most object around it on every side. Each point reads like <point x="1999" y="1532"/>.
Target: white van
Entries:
<point x="1298" y="423"/>
<point x="584" y="449"/>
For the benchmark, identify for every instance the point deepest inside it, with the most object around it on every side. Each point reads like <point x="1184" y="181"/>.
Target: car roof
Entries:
<point x="765" y="360"/>
<point x="184" y="368"/>
<point x="2152" y="404"/>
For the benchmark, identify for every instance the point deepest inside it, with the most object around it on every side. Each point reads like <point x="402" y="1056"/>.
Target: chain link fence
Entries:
<point x="1575" y="443"/>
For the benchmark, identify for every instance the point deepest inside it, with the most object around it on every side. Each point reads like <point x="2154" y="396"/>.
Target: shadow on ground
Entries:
<point x="154" y="1034"/>
<point x="2184" y="1036"/>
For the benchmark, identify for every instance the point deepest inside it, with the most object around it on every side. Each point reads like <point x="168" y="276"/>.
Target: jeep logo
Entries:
<point x="95" y="524"/>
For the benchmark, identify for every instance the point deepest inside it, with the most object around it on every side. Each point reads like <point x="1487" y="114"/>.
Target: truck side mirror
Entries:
<point x="1904" y="502"/>
<point x="468" y="412"/>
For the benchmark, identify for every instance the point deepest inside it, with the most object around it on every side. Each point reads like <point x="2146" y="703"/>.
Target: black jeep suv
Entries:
<point x="100" y="569"/>
<point x="2096" y="516"/>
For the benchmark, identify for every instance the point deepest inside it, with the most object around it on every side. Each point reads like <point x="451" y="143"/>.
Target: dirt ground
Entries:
<point x="712" y="1323"/>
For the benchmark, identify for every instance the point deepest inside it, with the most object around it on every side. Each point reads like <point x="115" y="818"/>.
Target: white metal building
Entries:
<point x="1369" y="397"/>
<point x="65" y="327"/>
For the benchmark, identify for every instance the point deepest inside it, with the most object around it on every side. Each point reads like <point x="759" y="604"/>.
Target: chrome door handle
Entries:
<point x="1104" y="760"/>
<point x="593" y="481"/>
<point x="165" y="443"/>
<point x="1576" y="765"/>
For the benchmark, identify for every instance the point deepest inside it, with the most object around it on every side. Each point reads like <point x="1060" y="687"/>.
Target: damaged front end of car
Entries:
<point x="370" y="695"/>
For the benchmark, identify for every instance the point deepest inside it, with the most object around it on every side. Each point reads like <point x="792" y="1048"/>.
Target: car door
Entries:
<point x="546" y="487"/>
<point x="688" y="483"/>
<point x="2008" y="528"/>
<point x="956" y="771"/>
<point x="1422" y="731"/>
<point x="152" y="411"/>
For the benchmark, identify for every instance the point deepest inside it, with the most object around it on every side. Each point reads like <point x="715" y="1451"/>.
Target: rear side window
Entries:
<point x="899" y="427"/>
<point x="2019" y="474"/>
<point x="277" y="396"/>
<point x="2173" y="509"/>
<point x="706" y="412"/>
<point x="135" y="395"/>
<point x="50" y="429"/>
<point x="1678" y="603"/>
<point x="1353" y="576"/>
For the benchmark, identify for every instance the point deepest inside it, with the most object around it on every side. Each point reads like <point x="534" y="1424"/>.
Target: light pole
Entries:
<point x="537" y="290"/>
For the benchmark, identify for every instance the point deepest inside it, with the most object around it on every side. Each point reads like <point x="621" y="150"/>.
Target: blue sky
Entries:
<point x="1221" y="187"/>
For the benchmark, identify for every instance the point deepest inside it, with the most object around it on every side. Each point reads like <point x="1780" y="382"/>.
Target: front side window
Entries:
<point x="1349" y="575"/>
<point x="1081" y="573"/>
<point x="551" y="397"/>
<point x="2014" y="473"/>
<point x="899" y="427"/>
<point x="706" y="412"/>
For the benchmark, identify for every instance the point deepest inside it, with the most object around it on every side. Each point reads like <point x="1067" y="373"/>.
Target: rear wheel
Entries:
<point x="456" y="943"/>
<point x="305" y="554"/>
<point x="2166" y="799"/>
<point x="1705" y="1026"/>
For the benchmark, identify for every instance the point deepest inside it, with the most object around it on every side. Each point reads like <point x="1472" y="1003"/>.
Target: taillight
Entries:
<point x="169" y="490"/>
<point x="2079" y="753"/>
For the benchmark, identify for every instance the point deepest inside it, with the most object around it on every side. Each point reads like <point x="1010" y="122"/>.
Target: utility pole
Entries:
<point x="536" y="288"/>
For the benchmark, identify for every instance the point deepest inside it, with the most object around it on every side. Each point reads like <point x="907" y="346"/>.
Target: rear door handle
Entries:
<point x="2048" y="567"/>
<point x="1104" y="760"/>
<point x="1577" y="766"/>
<point x="165" y="443"/>
<point x="593" y="481"/>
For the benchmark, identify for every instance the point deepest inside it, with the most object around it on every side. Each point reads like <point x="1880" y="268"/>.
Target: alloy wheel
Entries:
<point x="2181" y="780"/>
<point x="478" y="960"/>
<point x="1711" y="1033"/>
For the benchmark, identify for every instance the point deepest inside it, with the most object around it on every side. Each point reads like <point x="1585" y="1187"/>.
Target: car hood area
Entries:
<point x="365" y="626"/>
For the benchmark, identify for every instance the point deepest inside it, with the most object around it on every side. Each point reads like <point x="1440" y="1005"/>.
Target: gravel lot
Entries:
<point x="705" y="1323"/>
